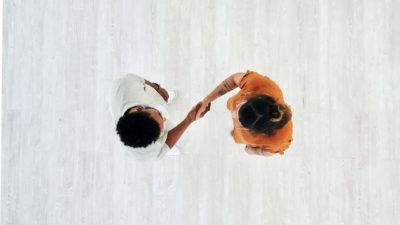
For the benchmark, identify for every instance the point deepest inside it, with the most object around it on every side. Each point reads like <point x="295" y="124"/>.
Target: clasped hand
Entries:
<point x="198" y="111"/>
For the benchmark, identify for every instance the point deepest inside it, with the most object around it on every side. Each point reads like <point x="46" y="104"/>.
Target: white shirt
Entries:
<point x="129" y="91"/>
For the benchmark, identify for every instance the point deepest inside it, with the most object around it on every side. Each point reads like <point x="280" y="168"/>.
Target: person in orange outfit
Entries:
<point x="261" y="118"/>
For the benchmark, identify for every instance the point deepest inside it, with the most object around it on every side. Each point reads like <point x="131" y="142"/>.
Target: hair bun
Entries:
<point x="274" y="111"/>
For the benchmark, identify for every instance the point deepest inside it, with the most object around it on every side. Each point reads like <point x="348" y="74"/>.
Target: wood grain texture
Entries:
<point x="337" y="62"/>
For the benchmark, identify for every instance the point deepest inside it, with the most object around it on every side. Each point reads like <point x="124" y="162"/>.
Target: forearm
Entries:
<point x="151" y="84"/>
<point x="175" y="134"/>
<point x="226" y="86"/>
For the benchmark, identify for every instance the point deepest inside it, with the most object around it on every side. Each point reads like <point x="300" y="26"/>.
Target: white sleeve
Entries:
<point x="164" y="149"/>
<point x="162" y="142"/>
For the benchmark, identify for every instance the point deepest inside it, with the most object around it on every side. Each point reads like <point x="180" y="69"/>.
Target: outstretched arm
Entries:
<point x="175" y="134"/>
<point x="226" y="86"/>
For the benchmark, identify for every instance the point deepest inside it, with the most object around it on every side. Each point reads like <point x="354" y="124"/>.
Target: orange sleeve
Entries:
<point x="246" y="79"/>
<point x="229" y="103"/>
<point x="243" y="86"/>
<point x="254" y="82"/>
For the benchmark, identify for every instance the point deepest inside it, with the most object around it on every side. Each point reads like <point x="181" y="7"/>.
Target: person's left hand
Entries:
<point x="195" y="110"/>
<point x="204" y="108"/>
<point x="164" y="94"/>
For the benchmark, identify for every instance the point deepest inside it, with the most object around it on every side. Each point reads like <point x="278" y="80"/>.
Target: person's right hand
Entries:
<point x="192" y="115"/>
<point x="204" y="108"/>
<point x="164" y="94"/>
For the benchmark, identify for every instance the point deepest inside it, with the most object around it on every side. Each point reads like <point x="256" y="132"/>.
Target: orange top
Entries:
<point x="253" y="84"/>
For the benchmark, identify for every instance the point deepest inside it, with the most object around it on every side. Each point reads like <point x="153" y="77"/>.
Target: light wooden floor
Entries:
<point x="338" y="63"/>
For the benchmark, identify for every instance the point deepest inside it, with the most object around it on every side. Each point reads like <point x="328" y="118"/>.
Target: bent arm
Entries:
<point x="159" y="89"/>
<point x="152" y="84"/>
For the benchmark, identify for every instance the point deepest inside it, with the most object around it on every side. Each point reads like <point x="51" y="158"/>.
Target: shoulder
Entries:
<point x="247" y="78"/>
<point x="255" y="81"/>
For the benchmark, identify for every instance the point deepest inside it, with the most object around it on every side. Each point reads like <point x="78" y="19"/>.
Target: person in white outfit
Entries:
<point x="141" y="118"/>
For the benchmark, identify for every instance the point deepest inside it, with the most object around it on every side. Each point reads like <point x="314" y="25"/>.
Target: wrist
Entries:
<point x="207" y="99"/>
<point x="188" y="120"/>
<point x="156" y="86"/>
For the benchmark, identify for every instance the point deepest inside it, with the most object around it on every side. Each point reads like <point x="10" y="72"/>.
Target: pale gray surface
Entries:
<point x="336" y="61"/>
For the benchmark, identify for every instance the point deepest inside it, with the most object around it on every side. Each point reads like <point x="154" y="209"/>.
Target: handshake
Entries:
<point x="198" y="111"/>
<point x="263" y="120"/>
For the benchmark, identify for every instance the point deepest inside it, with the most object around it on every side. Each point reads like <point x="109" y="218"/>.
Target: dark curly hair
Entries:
<point x="263" y="115"/>
<point x="138" y="129"/>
